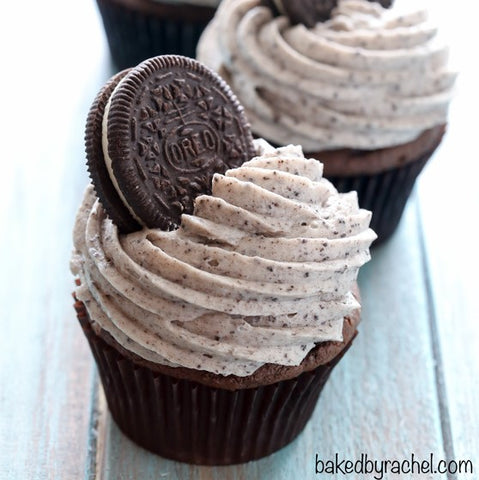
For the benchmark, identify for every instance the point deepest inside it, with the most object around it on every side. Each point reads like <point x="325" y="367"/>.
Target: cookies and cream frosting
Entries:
<point x="367" y="78"/>
<point x="261" y="272"/>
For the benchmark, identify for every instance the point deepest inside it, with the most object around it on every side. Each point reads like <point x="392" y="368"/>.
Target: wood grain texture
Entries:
<point x="46" y="373"/>
<point x="409" y="384"/>
<point x="46" y="370"/>
<point x="449" y="201"/>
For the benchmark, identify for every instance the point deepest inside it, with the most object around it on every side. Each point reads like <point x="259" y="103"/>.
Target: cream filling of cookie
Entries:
<point x="367" y="78"/>
<point x="260" y="273"/>
<point x="107" y="158"/>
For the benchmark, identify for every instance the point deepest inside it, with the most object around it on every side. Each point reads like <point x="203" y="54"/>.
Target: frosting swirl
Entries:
<point x="261" y="272"/>
<point x="367" y="78"/>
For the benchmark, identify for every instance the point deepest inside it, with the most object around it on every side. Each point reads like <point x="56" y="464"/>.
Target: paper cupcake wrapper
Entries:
<point x="385" y="193"/>
<point x="190" y="422"/>
<point x="134" y="36"/>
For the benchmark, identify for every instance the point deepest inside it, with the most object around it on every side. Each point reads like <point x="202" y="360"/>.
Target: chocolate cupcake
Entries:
<point x="366" y="91"/>
<point x="214" y="335"/>
<point x="140" y="29"/>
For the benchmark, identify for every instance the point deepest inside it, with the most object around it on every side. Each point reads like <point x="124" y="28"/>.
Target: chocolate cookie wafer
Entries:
<point x="384" y="3"/>
<point x="308" y="12"/>
<point x="168" y="125"/>
<point x="95" y="160"/>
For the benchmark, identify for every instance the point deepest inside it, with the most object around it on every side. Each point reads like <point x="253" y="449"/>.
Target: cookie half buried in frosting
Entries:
<point x="261" y="272"/>
<point x="166" y="127"/>
<point x="213" y="341"/>
<point x="308" y="12"/>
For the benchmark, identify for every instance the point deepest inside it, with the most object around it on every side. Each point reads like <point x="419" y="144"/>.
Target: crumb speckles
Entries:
<point x="250" y="288"/>
<point x="318" y="87"/>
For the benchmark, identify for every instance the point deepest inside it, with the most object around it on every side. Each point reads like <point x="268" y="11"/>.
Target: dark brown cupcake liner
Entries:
<point x="383" y="178"/>
<point x="195" y="423"/>
<point x="385" y="193"/>
<point x="135" y="33"/>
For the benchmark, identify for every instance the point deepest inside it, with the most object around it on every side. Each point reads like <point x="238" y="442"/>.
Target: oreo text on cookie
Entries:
<point x="170" y="124"/>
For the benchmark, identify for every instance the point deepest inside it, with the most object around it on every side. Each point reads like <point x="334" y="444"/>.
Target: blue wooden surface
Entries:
<point x="409" y="384"/>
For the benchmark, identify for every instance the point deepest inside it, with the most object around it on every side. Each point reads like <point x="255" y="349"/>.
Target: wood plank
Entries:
<point x="45" y="367"/>
<point x="381" y="399"/>
<point x="449" y="202"/>
<point x="46" y="371"/>
<point x="409" y="384"/>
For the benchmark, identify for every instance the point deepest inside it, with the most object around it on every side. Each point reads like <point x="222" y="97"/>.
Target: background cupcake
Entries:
<point x="366" y="92"/>
<point x="213" y="340"/>
<point x="140" y="29"/>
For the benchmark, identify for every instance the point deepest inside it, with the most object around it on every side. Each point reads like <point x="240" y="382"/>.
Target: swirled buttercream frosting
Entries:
<point x="367" y="78"/>
<point x="261" y="271"/>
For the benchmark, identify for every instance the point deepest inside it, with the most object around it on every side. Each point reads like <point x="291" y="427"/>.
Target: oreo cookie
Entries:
<point x="308" y="12"/>
<point x="384" y="3"/>
<point x="95" y="160"/>
<point x="155" y="136"/>
<point x="272" y="6"/>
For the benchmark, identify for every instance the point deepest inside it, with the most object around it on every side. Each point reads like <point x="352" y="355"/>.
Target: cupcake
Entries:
<point x="140" y="29"/>
<point x="214" y="333"/>
<point x="365" y="91"/>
